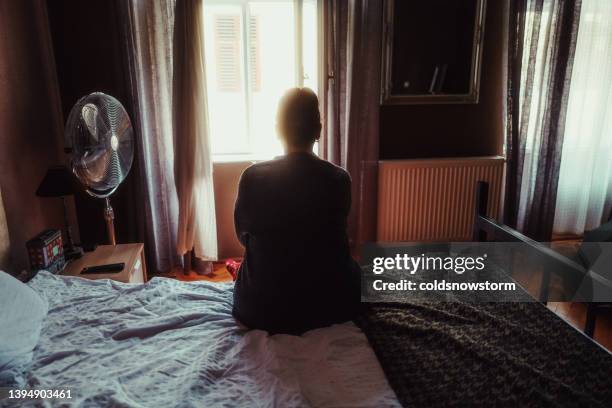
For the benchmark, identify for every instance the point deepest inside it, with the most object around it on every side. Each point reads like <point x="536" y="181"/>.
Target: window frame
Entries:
<point x="245" y="18"/>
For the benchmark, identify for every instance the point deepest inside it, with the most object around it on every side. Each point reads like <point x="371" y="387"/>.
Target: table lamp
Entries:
<point x="59" y="182"/>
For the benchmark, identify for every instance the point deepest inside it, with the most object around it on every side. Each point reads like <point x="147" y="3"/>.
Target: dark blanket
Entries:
<point x="492" y="354"/>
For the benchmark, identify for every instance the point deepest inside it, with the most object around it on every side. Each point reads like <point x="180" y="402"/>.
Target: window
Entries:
<point x="255" y="50"/>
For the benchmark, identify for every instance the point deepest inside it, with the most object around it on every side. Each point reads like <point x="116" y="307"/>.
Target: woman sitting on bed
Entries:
<point x="290" y="216"/>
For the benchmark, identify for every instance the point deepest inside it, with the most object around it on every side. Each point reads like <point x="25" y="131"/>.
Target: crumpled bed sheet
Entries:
<point x="169" y="343"/>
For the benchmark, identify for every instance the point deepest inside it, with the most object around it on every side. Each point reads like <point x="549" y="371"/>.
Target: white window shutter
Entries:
<point x="254" y="54"/>
<point x="227" y="44"/>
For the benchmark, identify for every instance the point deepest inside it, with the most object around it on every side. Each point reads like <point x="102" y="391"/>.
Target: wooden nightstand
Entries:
<point x="135" y="270"/>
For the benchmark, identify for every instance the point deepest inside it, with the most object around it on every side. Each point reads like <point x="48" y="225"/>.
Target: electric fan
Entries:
<point x="99" y="138"/>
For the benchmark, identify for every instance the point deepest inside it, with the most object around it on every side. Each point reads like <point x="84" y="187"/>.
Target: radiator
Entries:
<point x="433" y="199"/>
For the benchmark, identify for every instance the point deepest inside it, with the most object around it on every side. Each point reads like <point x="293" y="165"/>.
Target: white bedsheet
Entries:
<point x="169" y="343"/>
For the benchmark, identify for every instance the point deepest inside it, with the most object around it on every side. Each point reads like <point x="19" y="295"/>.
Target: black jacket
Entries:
<point x="297" y="272"/>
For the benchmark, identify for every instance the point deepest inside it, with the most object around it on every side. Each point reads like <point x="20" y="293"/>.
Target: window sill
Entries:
<point x="235" y="158"/>
<point x="251" y="157"/>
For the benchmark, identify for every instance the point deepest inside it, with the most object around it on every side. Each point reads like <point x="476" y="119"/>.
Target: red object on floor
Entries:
<point x="232" y="267"/>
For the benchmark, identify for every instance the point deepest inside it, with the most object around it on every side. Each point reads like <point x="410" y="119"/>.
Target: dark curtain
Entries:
<point x="542" y="42"/>
<point x="146" y="30"/>
<point x="353" y="32"/>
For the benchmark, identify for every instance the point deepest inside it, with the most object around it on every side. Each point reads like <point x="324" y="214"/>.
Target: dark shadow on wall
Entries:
<point x="30" y="123"/>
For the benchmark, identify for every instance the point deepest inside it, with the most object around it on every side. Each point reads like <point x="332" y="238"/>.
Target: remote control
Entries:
<point x="110" y="268"/>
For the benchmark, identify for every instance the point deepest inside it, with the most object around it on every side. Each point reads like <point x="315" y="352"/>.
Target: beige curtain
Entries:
<point x="192" y="160"/>
<point x="5" y="247"/>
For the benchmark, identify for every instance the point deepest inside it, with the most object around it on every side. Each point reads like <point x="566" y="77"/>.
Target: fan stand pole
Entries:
<point x="109" y="216"/>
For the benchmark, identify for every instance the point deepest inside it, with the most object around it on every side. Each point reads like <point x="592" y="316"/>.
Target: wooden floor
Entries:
<point x="572" y="312"/>
<point x="575" y="314"/>
<point x="219" y="274"/>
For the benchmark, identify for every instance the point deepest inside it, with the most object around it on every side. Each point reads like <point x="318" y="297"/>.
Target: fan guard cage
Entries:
<point x="100" y="136"/>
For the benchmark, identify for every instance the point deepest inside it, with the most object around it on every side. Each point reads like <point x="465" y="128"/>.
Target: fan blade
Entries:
<point x="101" y="137"/>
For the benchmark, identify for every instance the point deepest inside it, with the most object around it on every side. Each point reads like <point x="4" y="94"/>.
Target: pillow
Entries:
<point x="22" y="312"/>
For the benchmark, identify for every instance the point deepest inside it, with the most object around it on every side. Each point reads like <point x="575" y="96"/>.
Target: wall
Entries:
<point x="30" y="126"/>
<point x="226" y="178"/>
<point x="422" y="131"/>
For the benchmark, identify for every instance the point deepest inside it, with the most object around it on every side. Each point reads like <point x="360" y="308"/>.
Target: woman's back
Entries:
<point x="297" y="273"/>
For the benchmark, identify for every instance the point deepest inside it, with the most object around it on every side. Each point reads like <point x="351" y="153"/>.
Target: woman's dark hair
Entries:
<point x="298" y="118"/>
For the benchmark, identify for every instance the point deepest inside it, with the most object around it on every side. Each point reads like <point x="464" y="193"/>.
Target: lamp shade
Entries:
<point x="58" y="182"/>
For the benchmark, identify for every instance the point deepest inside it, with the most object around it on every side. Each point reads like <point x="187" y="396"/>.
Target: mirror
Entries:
<point x="432" y="51"/>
